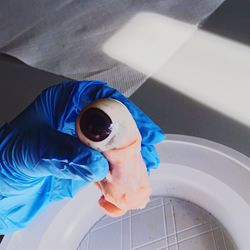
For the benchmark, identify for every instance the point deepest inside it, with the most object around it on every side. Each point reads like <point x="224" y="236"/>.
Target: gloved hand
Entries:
<point x="41" y="158"/>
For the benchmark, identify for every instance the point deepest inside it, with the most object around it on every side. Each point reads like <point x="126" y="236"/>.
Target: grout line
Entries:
<point x="145" y="210"/>
<point x="148" y="243"/>
<point x="164" y="223"/>
<point x="141" y="212"/>
<point x="175" y="243"/>
<point x="192" y="227"/>
<point x="191" y="237"/>
<point x="188" y="228"/>
<point x="88" y="242"/>
<point x="174" y="222"/>
<point x="223" y="237"/>
<point x="215" y="245"/>
<point x="167" y="235"/>
<point x="132" y="215"/>
<point x="160" y="248"/>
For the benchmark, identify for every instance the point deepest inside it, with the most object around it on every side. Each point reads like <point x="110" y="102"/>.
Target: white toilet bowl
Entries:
<point x="208" y="174"/>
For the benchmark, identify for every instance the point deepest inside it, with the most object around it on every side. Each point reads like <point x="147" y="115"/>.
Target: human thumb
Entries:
<point x="47" y="152"/>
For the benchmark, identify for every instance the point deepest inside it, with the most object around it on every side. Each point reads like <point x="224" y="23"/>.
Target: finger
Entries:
<point x="58" y="106"/>
<point x="59" y="189"/>
<point x="48" y="152"/>
<point x="150" y="157"/>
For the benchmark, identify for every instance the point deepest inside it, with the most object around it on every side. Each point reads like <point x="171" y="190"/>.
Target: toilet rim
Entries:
<point x="194" y="169"/>
<point x="211" y="175"/>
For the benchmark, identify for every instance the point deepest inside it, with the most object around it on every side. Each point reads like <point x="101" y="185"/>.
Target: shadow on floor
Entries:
<point x="231" y="20"/>
<point x="20" y="84"/>
<point x="179" y="114"/>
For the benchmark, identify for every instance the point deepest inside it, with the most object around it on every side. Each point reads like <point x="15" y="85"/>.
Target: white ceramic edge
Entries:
<point x="184" y="180"/>
<point x="226" y="151"/>
<point x="79" y="214"/>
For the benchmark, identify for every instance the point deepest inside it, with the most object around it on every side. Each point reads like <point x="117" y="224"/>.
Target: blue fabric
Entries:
<point x="41" y="158"/>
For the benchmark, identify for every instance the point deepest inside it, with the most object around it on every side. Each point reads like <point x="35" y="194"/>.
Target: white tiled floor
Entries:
<point x="165" y="224"/>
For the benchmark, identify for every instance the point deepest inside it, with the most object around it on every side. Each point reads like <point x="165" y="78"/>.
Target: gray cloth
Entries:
<point x="65" y="37"/>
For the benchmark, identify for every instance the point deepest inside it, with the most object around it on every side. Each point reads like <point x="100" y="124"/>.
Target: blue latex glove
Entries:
<point x="41" y="159"/>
